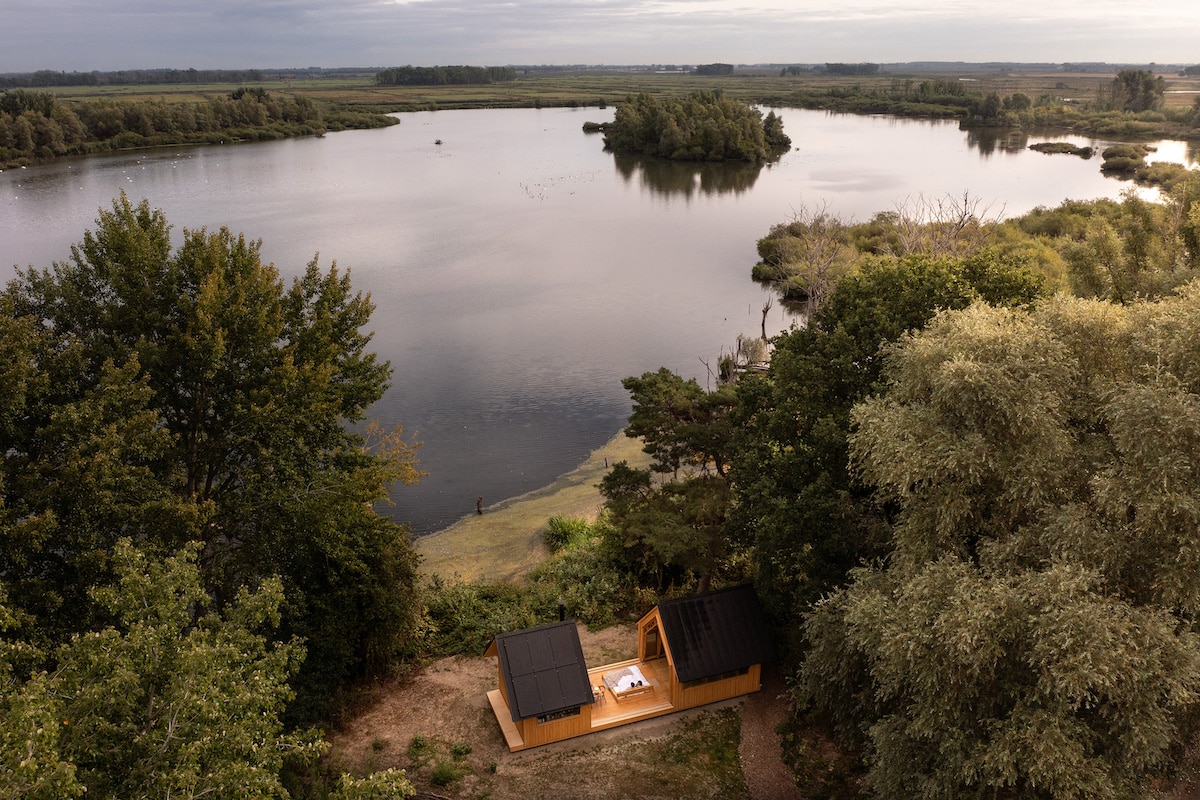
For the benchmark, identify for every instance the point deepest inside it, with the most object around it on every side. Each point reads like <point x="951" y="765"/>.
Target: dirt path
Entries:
<point x="766" y="776"/>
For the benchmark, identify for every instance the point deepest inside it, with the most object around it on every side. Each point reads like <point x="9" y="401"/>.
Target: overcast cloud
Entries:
<point x="85" y="35"/>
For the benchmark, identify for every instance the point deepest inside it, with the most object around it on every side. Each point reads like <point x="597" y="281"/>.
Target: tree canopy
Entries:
<point x="1040" y="598"/>
<point x="443" y="76"/>
<point x="704" y="126"/>
<point x="36" y="125"/>
<point x="165" y="701"/>
<point x="187" y="395"/>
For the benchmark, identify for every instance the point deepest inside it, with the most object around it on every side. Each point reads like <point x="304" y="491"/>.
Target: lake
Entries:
<point x="519" y="271"/>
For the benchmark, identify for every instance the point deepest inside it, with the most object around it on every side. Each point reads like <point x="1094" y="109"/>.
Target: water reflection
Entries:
<point x="687" y="179"/>
<point x="988" y="140"/>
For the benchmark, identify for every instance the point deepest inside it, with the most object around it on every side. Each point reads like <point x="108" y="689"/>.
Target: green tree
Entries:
<point x="681" y="424"/>
<point x="225" y="403"/>
<point x="1036" y="685"/>
<point x="672" y="533"/>
<point x="679" y="528"/>
<point x="1134" y="248"/>
<point x="169" y="700"/>
<point x="31" y="766"/>
<point x="167" y="703"/>
<point x="1137" y="90"/>
<point x="811" y="522"/>
<point x="704" y="126"/>
<point x="1032" y="632"/>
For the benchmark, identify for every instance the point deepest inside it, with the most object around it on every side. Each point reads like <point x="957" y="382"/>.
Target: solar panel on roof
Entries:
<point x="715" y="633"/>
<point x="543" y="669"/>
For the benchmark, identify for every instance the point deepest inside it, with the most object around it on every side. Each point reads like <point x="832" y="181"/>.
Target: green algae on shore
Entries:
<point x="506" y="540"/>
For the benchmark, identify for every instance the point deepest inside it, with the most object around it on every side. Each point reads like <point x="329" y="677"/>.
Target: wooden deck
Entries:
<point x="607" y="710"/>
<point x="512" y="736"/>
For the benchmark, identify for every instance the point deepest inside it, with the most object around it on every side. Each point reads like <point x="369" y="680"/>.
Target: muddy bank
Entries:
<point x="505" y="540"/>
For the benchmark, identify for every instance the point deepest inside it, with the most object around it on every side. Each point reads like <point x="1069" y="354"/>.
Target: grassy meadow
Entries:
<point x="595" y="87"/>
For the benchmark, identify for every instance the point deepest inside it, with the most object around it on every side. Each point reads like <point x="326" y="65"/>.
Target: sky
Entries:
<point x="85" y="35"/>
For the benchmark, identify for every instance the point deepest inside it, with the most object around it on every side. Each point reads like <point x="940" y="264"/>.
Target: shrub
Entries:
<point x="417" y="747"/>
<point x="445" y="773"/>
<point x="562" y="532"/>
<point x="464" y="617"/>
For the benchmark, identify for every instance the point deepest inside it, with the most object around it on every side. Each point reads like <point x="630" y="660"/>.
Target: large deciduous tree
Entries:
<point x="795" y="496"/>
<point x="168" y="700"/>
<point x="1032" y="633"/>
<point x="187" y="394"/>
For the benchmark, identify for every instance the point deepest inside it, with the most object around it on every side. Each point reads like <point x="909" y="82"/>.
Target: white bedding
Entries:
<point x="622" y="680"/>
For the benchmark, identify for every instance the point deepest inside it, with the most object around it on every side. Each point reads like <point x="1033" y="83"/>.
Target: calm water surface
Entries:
<point x="519" y="271"/>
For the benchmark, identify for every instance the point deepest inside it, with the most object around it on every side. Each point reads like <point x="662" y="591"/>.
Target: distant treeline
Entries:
<point x="46" y="77"/>
<point x="852" y="69"/>
<point x="830" y="69"/>
<point x="35" y="125"/>
<point x="714" y="69"/>
<point x="1132" y="104"/>
<point x="443" y="76"/>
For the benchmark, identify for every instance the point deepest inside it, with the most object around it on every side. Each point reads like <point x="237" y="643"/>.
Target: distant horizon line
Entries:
<point x="1060" y="65"/>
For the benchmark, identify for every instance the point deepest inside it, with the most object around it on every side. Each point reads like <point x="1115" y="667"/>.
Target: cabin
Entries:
<point x="691" y="652"/>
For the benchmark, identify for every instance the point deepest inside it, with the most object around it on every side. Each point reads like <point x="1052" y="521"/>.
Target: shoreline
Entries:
<point x="505" y="541"/>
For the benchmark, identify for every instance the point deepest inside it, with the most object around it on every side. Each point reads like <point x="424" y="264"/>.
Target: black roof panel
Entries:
<point x="543" y="669"/>
<point x="716" y="632"/>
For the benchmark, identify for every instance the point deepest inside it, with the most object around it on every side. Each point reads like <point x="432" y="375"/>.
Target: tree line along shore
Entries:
<point x="55" y="116"/>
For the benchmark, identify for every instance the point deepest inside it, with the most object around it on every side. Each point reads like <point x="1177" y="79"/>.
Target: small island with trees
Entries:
<point x="704" y="126"/>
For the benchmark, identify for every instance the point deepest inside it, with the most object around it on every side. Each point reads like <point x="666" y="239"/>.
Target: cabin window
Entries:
<point x="715" y="678"/>
<point x="653" y="650"/>
<point x="553" y="715"/>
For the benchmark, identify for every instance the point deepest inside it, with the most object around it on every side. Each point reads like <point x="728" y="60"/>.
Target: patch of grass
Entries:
<point x="418" y="748"/>
<point x="563" y="532"/>
<point x="698" y="760"/>
<point x="445" y="773"/>
<point x="710" y="742"/>
<point x="460" y="750"/>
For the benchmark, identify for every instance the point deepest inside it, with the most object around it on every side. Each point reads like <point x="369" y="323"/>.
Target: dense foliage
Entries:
<point x="35" y="124"/>
<point x="704" y="126"/>
<point x="864" y="68"/>
<point x="967" y="502"/>
<point x="797" y="500"/>
<point x="167" y="700"/>
<point x="1040" y="598"/>
<point x="1097" y="248"/>
<point x="135" y="77"/>
<point x="175" y="396"/>
<point x="714" y="69"/>
<point x="443" y="76"/>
